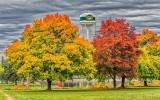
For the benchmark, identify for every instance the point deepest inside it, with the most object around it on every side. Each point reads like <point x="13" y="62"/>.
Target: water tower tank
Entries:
<point x="88" y="22"/>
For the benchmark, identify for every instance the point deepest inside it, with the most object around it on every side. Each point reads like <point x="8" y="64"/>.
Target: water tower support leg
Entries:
<point x="87" y="33"/>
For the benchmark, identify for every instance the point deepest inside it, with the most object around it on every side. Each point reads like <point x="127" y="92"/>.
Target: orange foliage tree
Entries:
<point x="116" y="49"/>
<point x="148" y="37"/>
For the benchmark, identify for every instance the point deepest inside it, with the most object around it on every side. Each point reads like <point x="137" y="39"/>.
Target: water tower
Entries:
<point x="88" y="25"/>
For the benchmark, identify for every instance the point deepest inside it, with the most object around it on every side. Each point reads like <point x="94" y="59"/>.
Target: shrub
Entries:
<point x="59" y="85"/>
<point x="19" y="86"/>
<point x="155" y="83"/>
<point x="101" y="86"/>
<point x="137" y="83"/>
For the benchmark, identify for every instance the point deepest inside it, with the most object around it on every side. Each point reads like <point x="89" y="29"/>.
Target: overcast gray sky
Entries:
<point x="15" y="14"/>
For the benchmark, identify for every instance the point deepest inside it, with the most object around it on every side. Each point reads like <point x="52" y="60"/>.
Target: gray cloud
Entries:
<point x="15" y="14"/>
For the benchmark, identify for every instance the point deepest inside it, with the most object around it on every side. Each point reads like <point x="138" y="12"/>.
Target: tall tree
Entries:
<point x="149" y="62"/>
<point x="148" y="37"/>
<point x="146" y="66"/>
<point x="154" y="50"/>
<point x="8" y="74"/>
<point x="51" y="49"/>
<point x="1" y="68"/>
<point x="116" y="49"/>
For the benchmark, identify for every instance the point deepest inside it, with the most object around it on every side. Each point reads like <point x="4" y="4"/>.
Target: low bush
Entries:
<point x="59" y="85"/>
<point x="155" y="83"/>
<point x="137" y="83"/>
<point x="19" y="86"/>
<point x="101" y="86"/>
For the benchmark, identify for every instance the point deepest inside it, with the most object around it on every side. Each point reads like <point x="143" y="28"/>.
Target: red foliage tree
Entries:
<point x="116" y="49"/>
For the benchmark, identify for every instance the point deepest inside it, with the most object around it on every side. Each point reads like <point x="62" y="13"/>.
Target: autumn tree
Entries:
<point x="148" y="37"/>
<point x="146" y="66"/>
<point x="1" y="68"/>
<point x="51" y="49"/>
<point x="154" y="50"/>
<point x="149" y="62"/>
<point x="116" y="49"/>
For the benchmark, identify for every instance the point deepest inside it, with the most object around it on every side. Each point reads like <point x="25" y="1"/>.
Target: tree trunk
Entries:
<point x="145" y="83"/>
<point x="28" y="81"/>
<point x="6" y="81"/>
<point x="114" y="77"/>
<point x="114" y="83"/>
<point x="49" y="83"/>
<point x="15" y="81"/>
<point x="123" y="81"/>
<point x="68" y="84"/>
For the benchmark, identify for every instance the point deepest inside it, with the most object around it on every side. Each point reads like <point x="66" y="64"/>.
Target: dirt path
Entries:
<point x="6" y="95"/>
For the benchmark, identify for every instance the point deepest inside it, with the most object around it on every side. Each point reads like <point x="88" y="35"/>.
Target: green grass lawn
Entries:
<point x="36" y="93"/>
<point x="2" y="97"/>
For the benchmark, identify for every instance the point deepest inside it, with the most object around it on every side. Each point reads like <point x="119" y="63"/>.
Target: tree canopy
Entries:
<point x="148" y="66"/>
<point x="116" y="48"/>
<point x="51" y="49"/>
<point x="1" y="68"/>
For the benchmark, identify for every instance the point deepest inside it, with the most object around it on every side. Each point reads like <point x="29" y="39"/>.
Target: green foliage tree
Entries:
<point x="8" y="73"/>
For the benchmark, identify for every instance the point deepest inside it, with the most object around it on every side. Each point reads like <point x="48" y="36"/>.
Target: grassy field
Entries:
<point x="37" y="93"/>
<point x="2" y="97"/>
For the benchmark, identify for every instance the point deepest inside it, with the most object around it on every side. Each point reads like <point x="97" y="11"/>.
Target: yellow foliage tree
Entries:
<point x="52" y="49"/>
<point x="148" y="66"/>
<point x="1" y="68"/>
